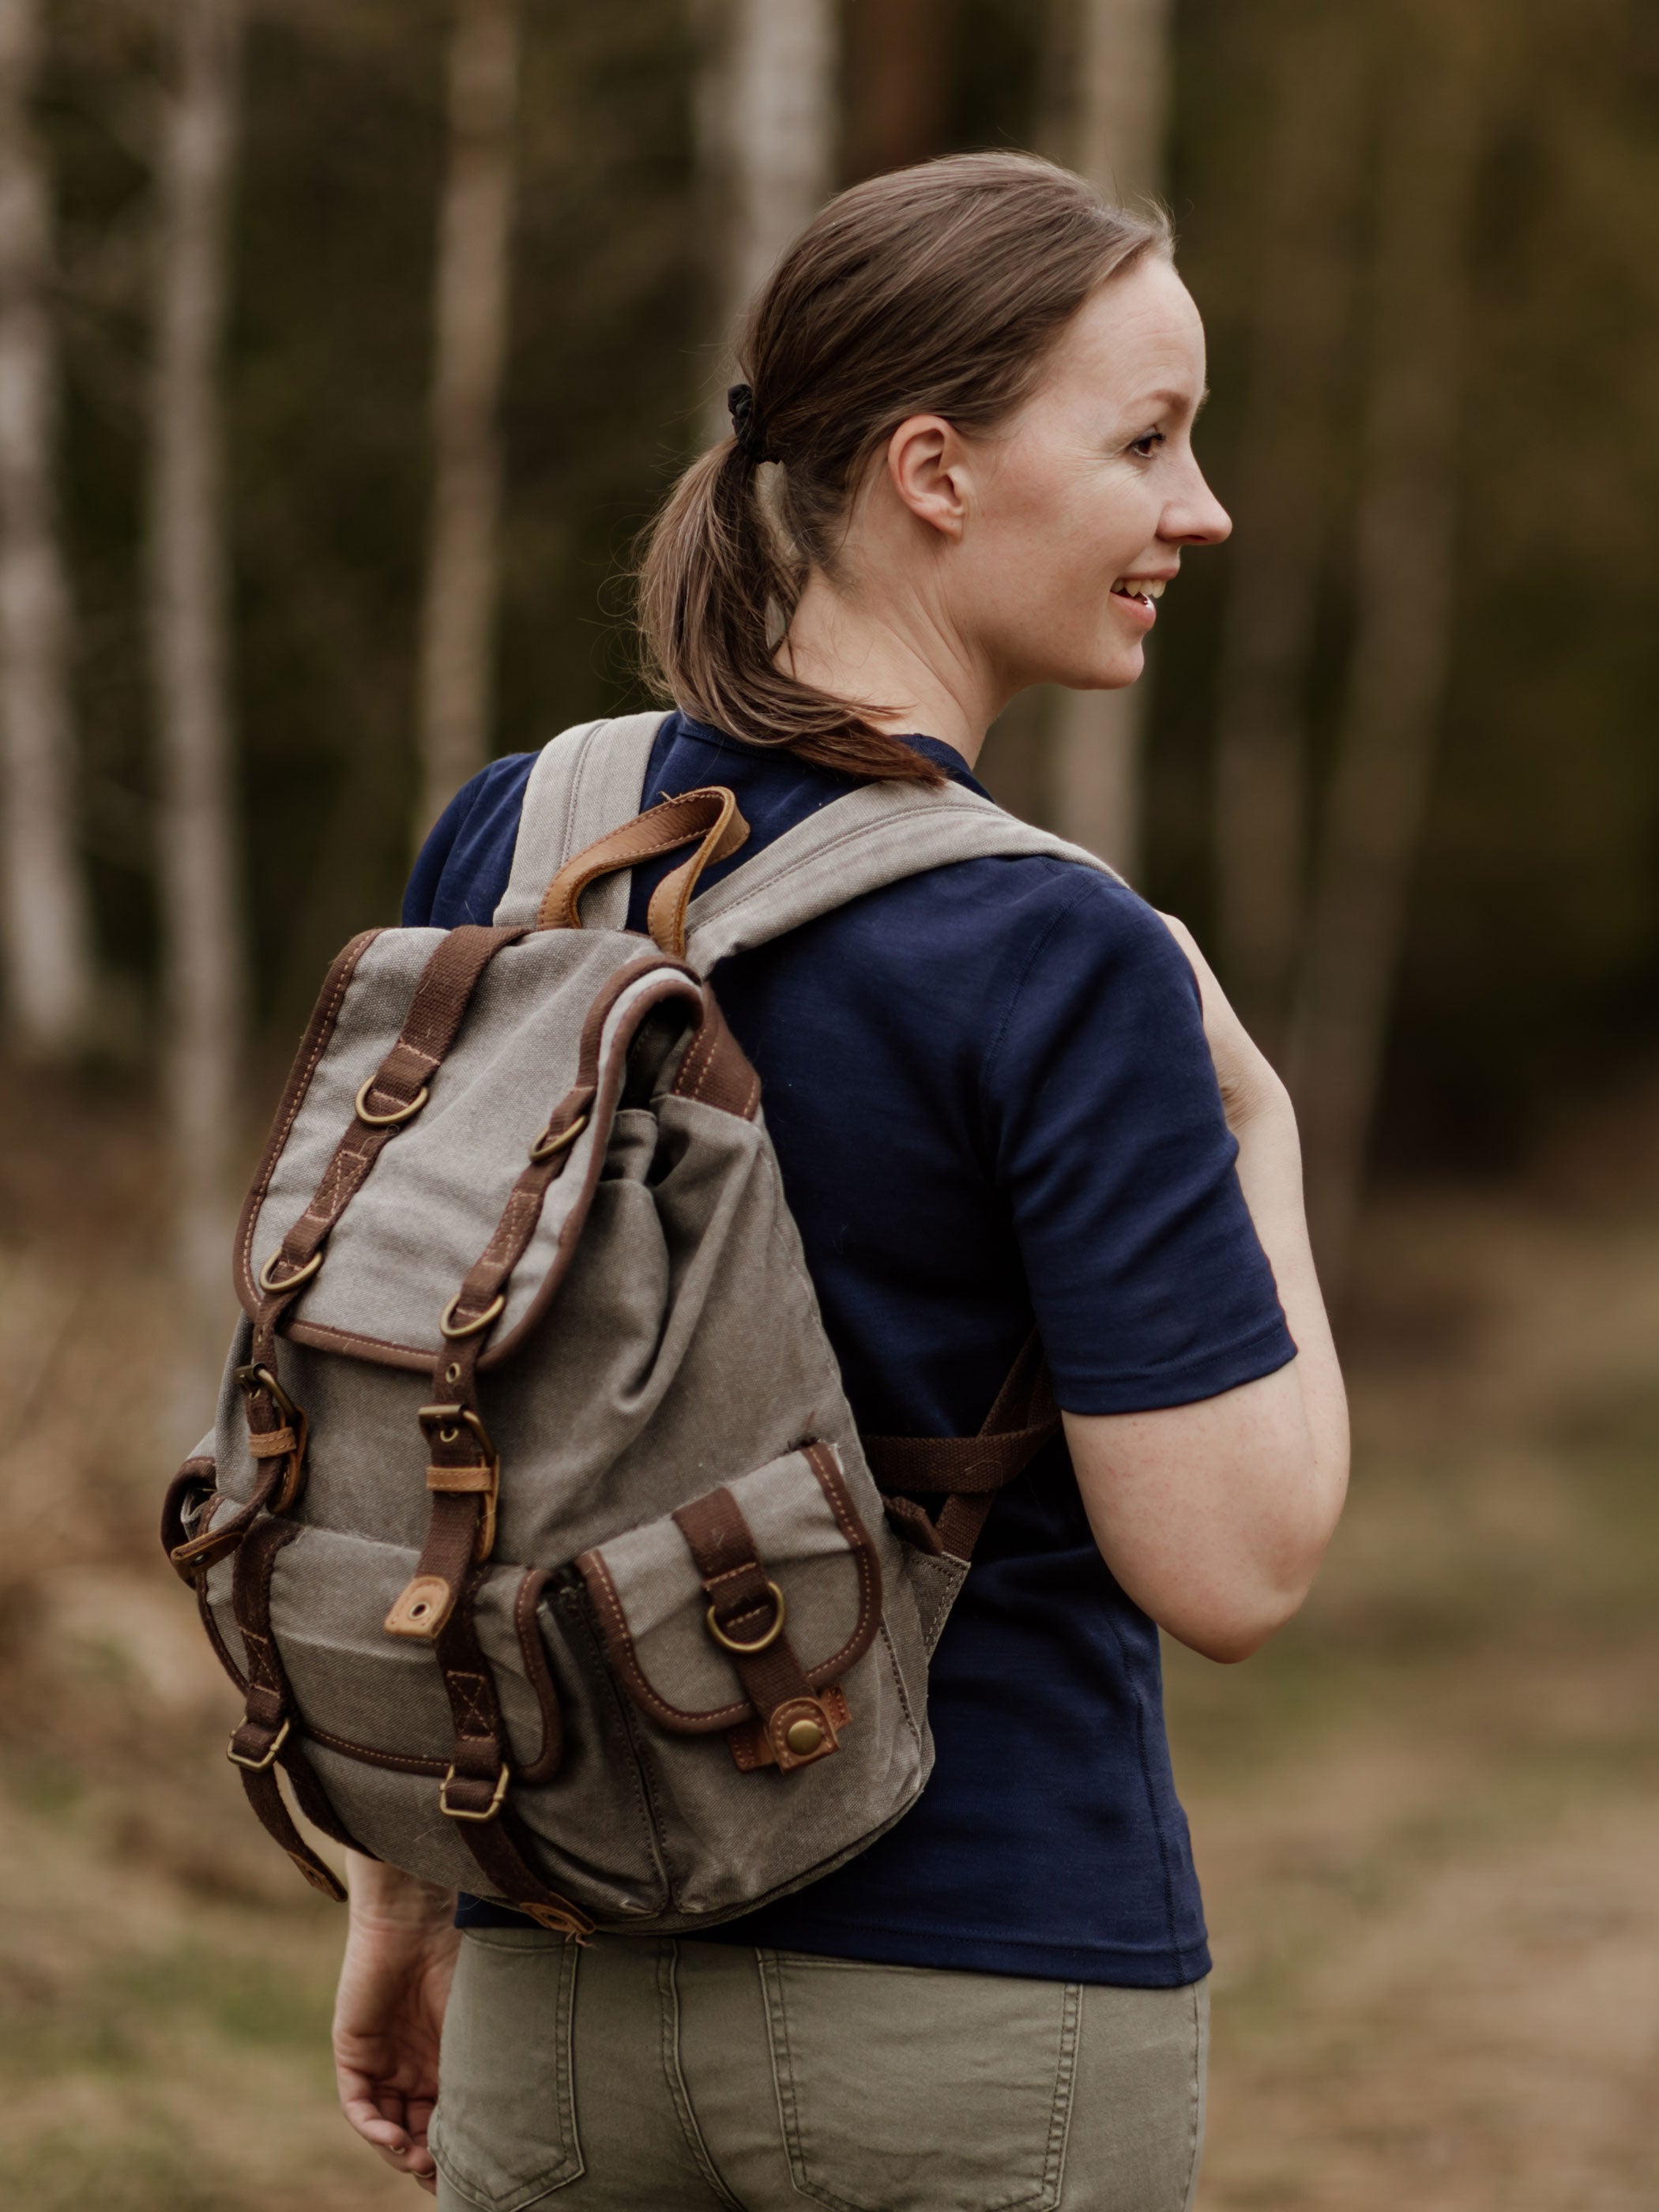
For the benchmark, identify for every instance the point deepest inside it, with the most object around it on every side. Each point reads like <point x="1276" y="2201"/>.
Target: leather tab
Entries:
<point x="422" y="1608"/>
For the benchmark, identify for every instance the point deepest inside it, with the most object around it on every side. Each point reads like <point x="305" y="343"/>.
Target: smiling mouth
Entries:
<point x="1143" y="588"/>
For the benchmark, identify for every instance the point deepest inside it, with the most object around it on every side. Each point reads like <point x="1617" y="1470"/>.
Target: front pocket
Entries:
<point x="770" y="1722"/>
<point x="505" y="2129"/>
<point x="905" y="2088"/>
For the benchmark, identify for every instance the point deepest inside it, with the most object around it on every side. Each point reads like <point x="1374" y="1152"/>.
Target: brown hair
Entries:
<point x="934" y="291"/>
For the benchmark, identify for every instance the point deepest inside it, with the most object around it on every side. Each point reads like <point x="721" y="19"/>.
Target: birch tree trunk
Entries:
<point x="1120" y="121"/>
<point x="470" y="317"/>
<point x="1406" y="542"/>
<point x="47" y="926"/>
<point x="767" y="137"/>
<point x="196" y="833"/>
<point x="1301" y="298"/>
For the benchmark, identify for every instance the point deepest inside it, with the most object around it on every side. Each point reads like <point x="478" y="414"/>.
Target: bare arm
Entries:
<point x="389" y="2013"/>
<point x="1214" y="1516"/>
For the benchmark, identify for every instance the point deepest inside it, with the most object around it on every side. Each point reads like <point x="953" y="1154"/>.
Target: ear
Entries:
<point x="927" y="466"/>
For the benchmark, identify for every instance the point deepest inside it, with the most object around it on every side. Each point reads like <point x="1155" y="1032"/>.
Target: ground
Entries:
<point x="1427" y="1817"/>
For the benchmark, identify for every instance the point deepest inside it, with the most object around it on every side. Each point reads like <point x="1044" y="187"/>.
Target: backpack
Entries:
<point x="535" y="1528"/>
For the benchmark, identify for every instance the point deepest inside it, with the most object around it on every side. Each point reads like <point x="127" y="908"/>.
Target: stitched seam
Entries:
<point x="668" y="1994"/>
<point x="851" y="835"/>
<point x="1146" y="1783"/>
<point x="1025" y="977"/>
<point x="625" y="1660"/>
<point x="278" y="1142"/>
<point x="1060" y="2125"/>
<point x="1195" y="2103"/>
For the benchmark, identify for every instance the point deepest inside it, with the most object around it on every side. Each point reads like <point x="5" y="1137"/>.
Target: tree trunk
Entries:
<point x="202" y="923"/>
<point x="47" y="926"/>
<point x="1300" y="298"/>
<point x="898" y="74"/>
<point x="1118" y="124"/>
<point x="767" y="137"/>
<point x="1405" y="541"/>
<point x="470" y="328"/>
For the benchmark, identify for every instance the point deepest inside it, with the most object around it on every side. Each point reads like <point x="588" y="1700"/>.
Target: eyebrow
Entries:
<point x="1167" y="399"/>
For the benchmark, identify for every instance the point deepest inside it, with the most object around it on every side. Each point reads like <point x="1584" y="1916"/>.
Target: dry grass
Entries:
<point x="1426" y="1818"/>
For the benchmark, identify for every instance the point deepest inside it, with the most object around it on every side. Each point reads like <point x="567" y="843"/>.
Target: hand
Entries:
<point x="389" y="2012"/>
<point x="1250" y="1088"/>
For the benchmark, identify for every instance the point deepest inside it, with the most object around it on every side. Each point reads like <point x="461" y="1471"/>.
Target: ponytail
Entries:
<point x="938" y="289"/>
<point x="716" y="593"/>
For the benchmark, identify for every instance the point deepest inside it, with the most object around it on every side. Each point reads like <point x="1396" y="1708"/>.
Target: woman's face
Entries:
<point x="1071" y="517"/>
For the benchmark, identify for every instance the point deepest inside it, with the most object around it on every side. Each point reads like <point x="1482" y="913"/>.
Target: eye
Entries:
<point x="1142" y="446"/>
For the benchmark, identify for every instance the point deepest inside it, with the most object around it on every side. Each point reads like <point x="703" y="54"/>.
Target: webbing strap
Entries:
<point x="265" y="1737"/>
<point x="969" y="1470"/>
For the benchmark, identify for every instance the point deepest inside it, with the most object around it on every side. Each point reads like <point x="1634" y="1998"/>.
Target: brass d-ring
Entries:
<point x="761" y="1643"/>
<point x="546" y="1146"/>
<point x="450" y="1328"/>
<point x="398" y="1114"/>
<point x="288" y="1282"/>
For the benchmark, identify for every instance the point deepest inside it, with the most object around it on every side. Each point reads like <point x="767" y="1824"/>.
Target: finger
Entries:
<point x="372" y="2125"/>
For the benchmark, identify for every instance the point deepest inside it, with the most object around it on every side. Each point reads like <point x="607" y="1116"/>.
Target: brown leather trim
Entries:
<point x="313" y="1045"/>
<point x="399" y="1762"/>
<point x="752" y="1746"/>
<point x="607" y="1083"/>
<point x="619" y="1642"/>
<point x="709" y="815"/>
<point x="715" y="1070"/>
<point x="539" y="1675"/>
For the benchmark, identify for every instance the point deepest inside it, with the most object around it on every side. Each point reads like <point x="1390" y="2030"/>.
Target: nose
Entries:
<point x="1197" y="516"/>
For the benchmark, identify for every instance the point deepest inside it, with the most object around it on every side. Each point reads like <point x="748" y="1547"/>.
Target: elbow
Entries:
<point x="1237" y="1629"/>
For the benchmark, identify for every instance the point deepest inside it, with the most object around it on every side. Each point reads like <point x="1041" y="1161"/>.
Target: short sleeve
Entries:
<point x="1149" y="1284"/>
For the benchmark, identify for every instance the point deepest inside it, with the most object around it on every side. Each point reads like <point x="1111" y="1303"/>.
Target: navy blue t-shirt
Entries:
<point x="990" y="1097"/>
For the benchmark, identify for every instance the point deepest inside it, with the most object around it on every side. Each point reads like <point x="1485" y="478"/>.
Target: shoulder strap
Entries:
<point x="586" y="782"/>
<point x="877" y="834"/>
<point x="590" y="781"/>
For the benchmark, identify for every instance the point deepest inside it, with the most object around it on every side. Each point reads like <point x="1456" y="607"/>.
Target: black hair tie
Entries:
<point x="746" y="426"/>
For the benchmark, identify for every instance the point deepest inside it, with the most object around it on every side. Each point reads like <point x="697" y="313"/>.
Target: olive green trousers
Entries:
<point x="640" y="2074"/>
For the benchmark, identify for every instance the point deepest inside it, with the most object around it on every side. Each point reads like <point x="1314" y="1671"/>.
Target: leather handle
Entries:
<point x="709" y="818"/>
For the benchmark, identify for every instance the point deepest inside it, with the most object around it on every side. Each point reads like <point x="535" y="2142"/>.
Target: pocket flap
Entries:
<point x="654" y="1611"/>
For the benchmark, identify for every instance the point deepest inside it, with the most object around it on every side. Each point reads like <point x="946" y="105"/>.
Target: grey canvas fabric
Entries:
<point x="644" y="2073"/>
<point x="658" y="1343"/>
<point x="578" y="791"/>
<point x="876" y="834"/>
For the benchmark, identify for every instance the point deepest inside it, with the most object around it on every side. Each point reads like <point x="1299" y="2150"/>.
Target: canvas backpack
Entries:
<point x="535" y="1528"/>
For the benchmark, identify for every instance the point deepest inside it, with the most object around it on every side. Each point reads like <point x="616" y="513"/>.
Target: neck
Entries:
<point x="898" y="659"/>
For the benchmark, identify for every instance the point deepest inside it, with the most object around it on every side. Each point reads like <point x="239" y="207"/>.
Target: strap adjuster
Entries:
<point x="456" y="1813"/>
<point x="259" y="1766"/>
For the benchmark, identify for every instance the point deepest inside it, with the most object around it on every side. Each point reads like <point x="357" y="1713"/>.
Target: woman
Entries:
<point x="1014" y="1092"/>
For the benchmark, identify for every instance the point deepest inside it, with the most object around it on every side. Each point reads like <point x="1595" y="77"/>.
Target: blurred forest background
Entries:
<point x="345" y="347"/>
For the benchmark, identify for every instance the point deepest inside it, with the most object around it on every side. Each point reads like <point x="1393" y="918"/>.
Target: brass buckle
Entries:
<point x="398" y="1113"/>
<point x="761" y="1643"/>
<point x="546" y="1145"/>
<point x="259" y="1766"/>
<point x="453" y="1330"/>
<point x="454" y="1813"/>
<point x="288" y="1282"/>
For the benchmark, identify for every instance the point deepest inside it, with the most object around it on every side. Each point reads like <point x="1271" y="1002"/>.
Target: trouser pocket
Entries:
<point x="504" y="2134"/>
<point x="903" y="2088"/>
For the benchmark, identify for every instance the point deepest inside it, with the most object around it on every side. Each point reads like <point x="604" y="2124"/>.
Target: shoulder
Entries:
<point x="463" y="866"/>
<point x="1021" y="927"/>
